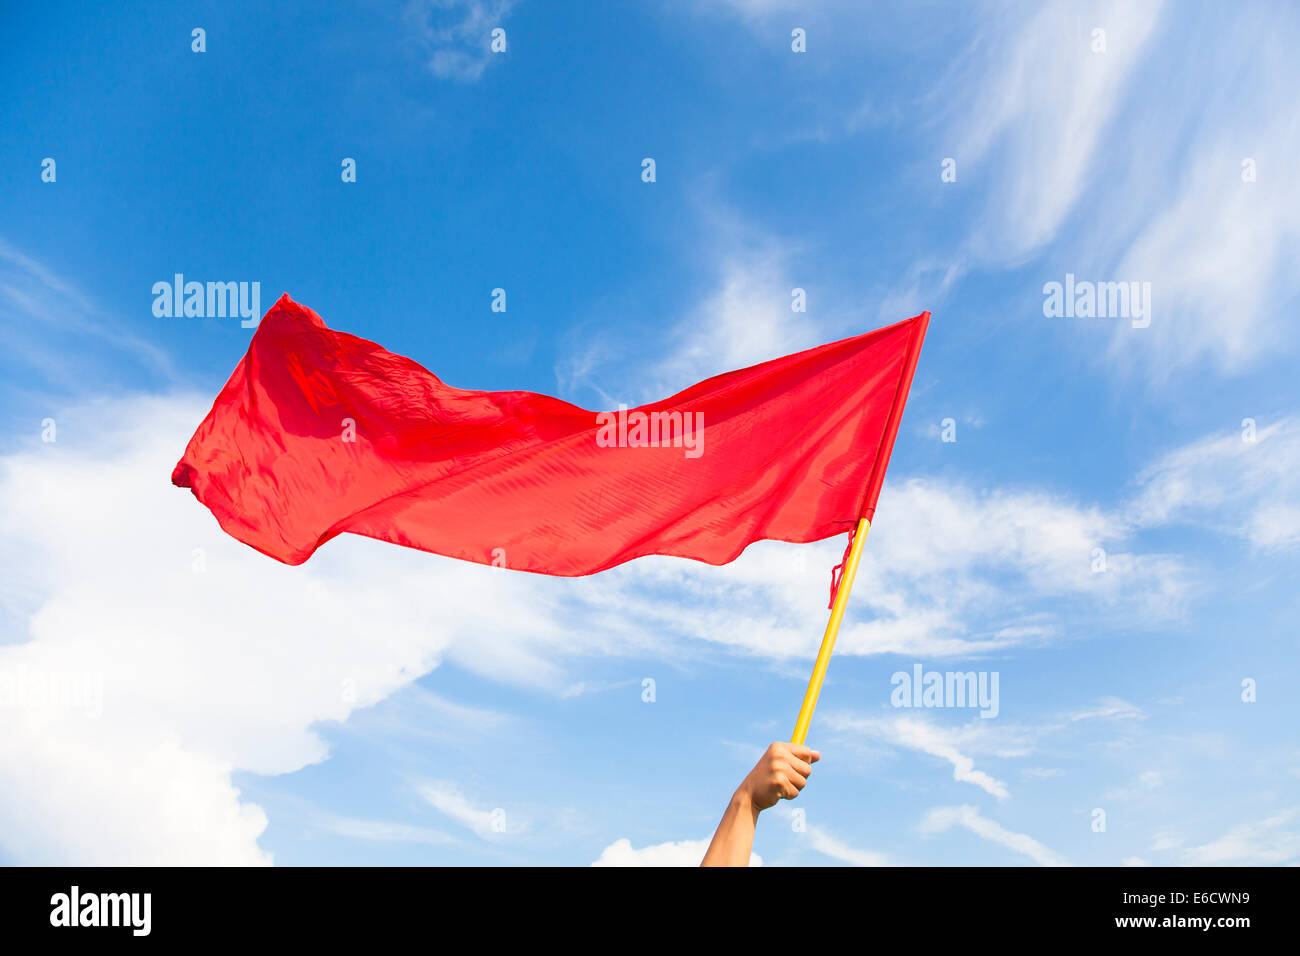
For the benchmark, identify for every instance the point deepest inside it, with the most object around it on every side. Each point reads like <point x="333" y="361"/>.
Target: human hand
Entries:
<point x="780" y="774"/>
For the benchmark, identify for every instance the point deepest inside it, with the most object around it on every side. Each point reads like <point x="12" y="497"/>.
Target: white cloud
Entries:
<point x="446" y="797"/>
<point x="1246" y="488"/>
<point x="383" y="831"/>
<point x="1166" y="841"/>
<point x="1146" y="782"/>
<point x="947" y="571"/>
<point x="924" y="736"/>
<point x="1109" y="708"/>
<point x="197" y="686"/>
<point x="747" y="319"/>
<point x="744" y="317"/>
<point x="1032" y="103"/>
<point x="941" y="554"/>
<point x="597" y="687"/>
<point x="1269" y="842"/>
<point x="942" y="819"/>
<point x="759" y="9"/>
<point x="456" y="34"/>
<point x="60" y="334"/>
<point x="823" y="842"/>
<point x="101" y="583"/>
<point x="205" y="662"/>
<point x="1048" y="128"/>
<point x="681" y="853"/>
<point x="1219" y="252"/>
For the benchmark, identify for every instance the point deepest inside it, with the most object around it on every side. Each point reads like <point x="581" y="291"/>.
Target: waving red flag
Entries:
<point x="319" y="432"/>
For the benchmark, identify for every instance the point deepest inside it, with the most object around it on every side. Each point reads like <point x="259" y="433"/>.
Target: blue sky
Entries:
<point x="172" y="696"/>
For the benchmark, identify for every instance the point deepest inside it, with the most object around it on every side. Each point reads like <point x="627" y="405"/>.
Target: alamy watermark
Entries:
<point x="638" y="429"/>
<point x="923" y="688"/>
<point x="208" y="300"/>
<point x="22" y="689"/>
<point x="129" y="910"/>
<point x="1083" y="299"/>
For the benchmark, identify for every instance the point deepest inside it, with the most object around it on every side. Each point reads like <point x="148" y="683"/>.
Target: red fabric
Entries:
<point x="793" y="449"/>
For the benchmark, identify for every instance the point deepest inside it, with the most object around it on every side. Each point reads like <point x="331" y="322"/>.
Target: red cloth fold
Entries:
<point x="318" y="432"/>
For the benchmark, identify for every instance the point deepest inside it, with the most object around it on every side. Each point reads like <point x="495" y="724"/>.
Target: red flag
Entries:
<point x="319" y="432"/>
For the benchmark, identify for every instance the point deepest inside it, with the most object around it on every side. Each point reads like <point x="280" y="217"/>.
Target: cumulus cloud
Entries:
<point x="147" y="658"/>
<point x="204" y="658"/>
<point x="120" y="585"/>
<point x="681" y="853"/>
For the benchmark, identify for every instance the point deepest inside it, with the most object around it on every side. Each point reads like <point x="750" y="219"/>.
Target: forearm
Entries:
<point x="734" y="839"/>
<point x="779" y="774"/>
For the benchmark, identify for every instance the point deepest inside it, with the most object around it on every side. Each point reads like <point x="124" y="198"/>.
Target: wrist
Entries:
<point x="742" y="801"/>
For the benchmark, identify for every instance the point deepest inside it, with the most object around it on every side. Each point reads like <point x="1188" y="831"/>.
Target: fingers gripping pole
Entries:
<point x="832" y="630"/>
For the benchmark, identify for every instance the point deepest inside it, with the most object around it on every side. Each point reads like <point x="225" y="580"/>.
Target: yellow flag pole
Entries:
<point x="832" y="631"/>
<point x="919" y="325"/>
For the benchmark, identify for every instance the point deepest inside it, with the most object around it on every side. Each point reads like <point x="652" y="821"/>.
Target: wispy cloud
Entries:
<point x="943" y="548"/>
<point x="447" y="798"/>
<point x="941" y="819"/>
<point x="1146" y="783"/>
<point x="456" y="34"/>
<point x="1047" y="119"/>
<point x="1109" y="708"/>
<point x="596" y="686"/>
<point x="1247" y="488"/>
<point x="925" y="736"/>
<point x="951" y="571"/>
<point x="823" y="842"/>
<point x="1043" y="773"/>
<point x="1219" y="250"/>
<point x="49" y="321"/>
<point x="746" y="320"/>
<point x="744" y="317"/>
<point x="1269" y="842"/>
<point x="1032" y="103"/>
<point x="383" y="831"/>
